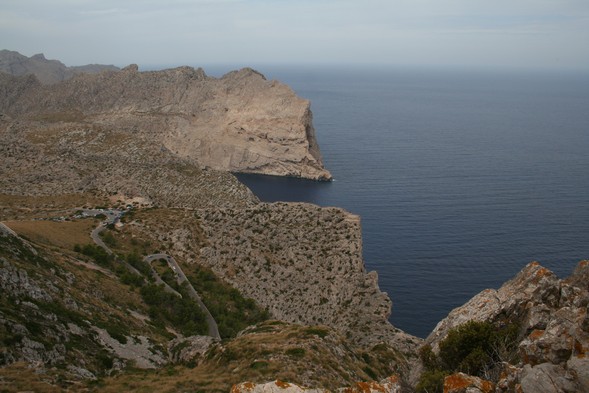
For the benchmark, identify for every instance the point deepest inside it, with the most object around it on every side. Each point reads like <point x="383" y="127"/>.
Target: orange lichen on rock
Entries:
<point x="536" y="334"/>
<point x="281" y="384"/>
<point x="579" y="350"/>
<point x="391" y="379"/>
<point x="367" y="387"/>
<point x="459" y="382"/>
<point x="243" y="387"/>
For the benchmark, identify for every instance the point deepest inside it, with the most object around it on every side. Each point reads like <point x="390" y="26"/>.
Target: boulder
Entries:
<point x="548" y="378"/>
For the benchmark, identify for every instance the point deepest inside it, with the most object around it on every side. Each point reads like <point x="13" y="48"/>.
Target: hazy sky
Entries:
<point x="522" y="33"/>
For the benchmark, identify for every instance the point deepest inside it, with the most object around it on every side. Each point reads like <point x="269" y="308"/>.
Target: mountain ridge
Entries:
<point x="47" y="71"/>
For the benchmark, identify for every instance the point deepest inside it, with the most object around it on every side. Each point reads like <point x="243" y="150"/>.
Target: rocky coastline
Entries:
<point x="286" y="283"/>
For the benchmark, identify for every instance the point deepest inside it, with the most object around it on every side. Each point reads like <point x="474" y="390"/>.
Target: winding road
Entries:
<point x="112" y="217"/>
<point x="181" y="279"/>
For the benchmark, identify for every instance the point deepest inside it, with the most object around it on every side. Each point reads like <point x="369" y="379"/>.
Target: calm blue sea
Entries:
<point x="461" y="178"/>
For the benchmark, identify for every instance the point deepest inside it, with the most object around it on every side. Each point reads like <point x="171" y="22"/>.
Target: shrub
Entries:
<point x="431" y="382"/>
<point x="468" y="346"/>
<point x="296" y="352"/>
<point x="183" y="313"/>
<point x="428" y="358"/>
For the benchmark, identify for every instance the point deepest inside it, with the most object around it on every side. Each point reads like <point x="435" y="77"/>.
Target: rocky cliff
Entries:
<point x="47" y="71"/>
<point x="240" y="122"/>
<point x="550" y="347"/>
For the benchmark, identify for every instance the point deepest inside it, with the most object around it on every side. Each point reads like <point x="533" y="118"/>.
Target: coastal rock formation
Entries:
<point x="47" y="71"/>
<point x="304" y="263"/>
<point x="553" y="319"/>
<point x="301" y="262"/>
<point x="240" y="122"/>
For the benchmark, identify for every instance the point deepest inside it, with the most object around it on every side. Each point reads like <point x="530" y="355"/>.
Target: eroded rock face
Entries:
<point x="240" y="122"/>
<point x="554" y="328"/>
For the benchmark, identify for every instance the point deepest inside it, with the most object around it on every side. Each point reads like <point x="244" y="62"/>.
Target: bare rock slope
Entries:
<point x="240" y="122"/>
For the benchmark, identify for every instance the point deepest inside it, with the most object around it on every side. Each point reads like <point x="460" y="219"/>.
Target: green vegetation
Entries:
<point x="296" y="352"/>
<point x="474" y="348"/>
<point x="182" y="313"/>
<point x="231" y="310"/>
<point x="135" y="260"/>
<point x="108" y="238"/>
<point x="100" y="256"/>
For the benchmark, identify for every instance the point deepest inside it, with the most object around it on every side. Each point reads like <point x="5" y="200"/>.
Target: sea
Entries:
<point x="461" y="177"/>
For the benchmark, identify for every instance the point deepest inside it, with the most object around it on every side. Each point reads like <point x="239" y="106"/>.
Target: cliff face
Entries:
<point x="240" y="122"/>
<point x="301" y="262"/>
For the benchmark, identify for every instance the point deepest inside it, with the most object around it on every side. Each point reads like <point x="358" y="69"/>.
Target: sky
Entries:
<point x="546" y="34"/>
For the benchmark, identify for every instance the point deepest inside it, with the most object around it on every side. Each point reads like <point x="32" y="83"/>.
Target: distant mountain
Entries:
<point x="47" y="71"/>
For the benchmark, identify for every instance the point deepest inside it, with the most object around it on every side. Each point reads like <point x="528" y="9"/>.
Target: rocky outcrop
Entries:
<point x="189" y="349"/>
<point x="554" y="328"/>
<point x="47" y="71"/>
<point x="240" y="122"/>
<point x="388" y="385"/>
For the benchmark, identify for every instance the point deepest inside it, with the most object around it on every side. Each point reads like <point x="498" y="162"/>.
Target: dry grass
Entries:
<point x="60" y="234"/>
<point x="21" y="207"/>
<point x="271" y="351"/>
<point x="18" y="377"/>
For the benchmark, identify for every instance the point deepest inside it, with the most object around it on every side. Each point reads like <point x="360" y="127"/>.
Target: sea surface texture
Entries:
<point x="461" y="178"/>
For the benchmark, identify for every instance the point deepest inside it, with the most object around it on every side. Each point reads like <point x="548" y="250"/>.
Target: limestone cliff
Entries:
<point x="240" y="122"/>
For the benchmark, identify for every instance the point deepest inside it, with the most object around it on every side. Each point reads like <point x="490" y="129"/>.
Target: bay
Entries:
<point x="460" y="177"/>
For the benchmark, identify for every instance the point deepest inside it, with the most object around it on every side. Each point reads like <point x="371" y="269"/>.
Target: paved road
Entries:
<point x="180" y="279"/>
<point x="112" y="217"/>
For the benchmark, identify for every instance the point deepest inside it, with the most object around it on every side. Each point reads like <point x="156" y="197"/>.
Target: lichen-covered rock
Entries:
<point x="463" y="383"/>
<point x="273" y="387"/>
<point x="553" y="319"/>
<point x="509" y="379"/>
<point x="391" y="384"/>
<point x="387" y="385"/>
<point x="548" y="378"/>
<point x="534" y="285"/>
